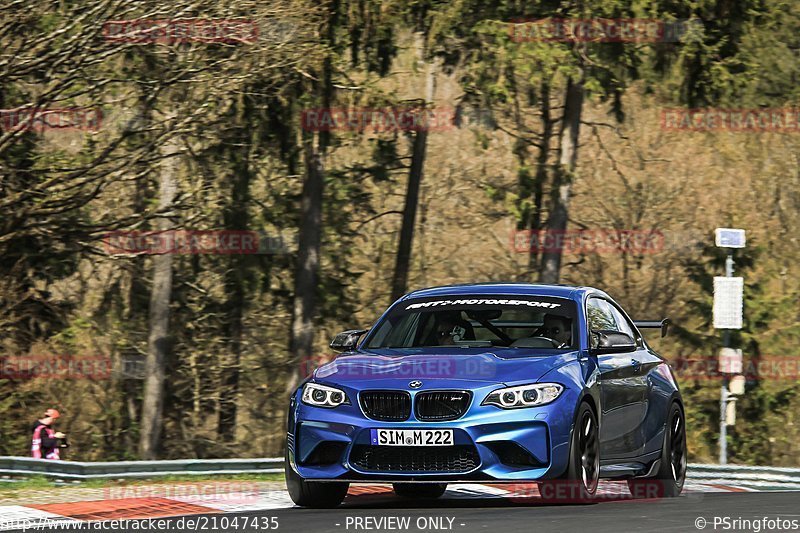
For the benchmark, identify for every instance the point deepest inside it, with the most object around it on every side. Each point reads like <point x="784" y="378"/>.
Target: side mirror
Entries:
<point x="347" y="340"/>
<point x="609" y="341"/>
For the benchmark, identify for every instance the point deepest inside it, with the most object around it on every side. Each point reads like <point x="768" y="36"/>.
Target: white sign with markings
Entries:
<point x="728" y="299"/>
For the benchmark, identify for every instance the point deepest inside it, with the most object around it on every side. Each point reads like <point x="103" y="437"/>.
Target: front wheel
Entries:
<point x="668" y="481"/>
<point x="314" y="494"/>
<point x="579" y="482"/>
<point x="419" y="490"/>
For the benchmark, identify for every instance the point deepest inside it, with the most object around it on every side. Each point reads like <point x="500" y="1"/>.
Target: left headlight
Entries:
<point x="524" y="395"/>
<point x="323" y="396"/>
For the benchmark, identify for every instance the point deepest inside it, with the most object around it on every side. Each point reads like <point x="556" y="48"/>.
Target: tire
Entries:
<point x="671" y="475"/>
<point x="314" y="494"/>
<point x="419" y="490"/>
<point x="579" y="483"/>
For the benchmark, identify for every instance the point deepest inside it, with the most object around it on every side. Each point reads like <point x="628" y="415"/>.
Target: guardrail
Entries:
<point x="761" y="477"/>
<point x="757" y="477"/>
<point x="74" y="470"/>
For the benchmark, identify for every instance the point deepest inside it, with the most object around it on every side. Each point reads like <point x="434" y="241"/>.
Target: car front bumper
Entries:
<point x="490" y="444"/>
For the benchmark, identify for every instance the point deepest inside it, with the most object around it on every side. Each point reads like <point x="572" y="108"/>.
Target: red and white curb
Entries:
<point x="54" y="514"/>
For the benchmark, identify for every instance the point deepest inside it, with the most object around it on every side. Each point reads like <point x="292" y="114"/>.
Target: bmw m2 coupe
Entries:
<point x="488" y="383"/>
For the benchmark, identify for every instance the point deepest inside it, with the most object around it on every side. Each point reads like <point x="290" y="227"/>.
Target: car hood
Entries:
<point x="440" y="368"/>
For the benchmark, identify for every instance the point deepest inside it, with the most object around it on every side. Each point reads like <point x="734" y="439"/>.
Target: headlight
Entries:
<point x="524" y="395"/>
<point x="323" y="396"/>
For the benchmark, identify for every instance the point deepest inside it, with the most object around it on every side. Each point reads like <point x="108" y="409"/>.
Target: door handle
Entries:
<point x="636" y="365"/>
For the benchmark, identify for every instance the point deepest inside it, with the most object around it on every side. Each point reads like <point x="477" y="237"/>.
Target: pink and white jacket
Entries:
<point x="44" y="443"/>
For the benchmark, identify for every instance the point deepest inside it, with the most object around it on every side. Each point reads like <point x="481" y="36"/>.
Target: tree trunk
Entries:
<point x="136" y="312"/>
<point x="559" y="211"/>
<point x="542" y="162"/>
<point x="237" y="219"/>
<point x="403" y="259"/>
<point x="301" y="337"/>
<point x="235" y="274"/>
<point x="158" y="341"/>
<point x="415" y="173"/>
<point x="308" y="259"/>
<point x="234" y="316"/>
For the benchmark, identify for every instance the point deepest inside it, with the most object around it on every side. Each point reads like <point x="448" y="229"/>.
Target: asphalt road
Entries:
<point x="691" y="512"/>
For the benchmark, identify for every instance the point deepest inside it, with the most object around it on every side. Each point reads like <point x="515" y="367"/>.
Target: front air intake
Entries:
<point x="444" y="460"/>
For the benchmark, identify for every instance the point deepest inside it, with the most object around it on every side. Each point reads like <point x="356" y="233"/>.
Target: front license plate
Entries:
<point x="412" y="437"/>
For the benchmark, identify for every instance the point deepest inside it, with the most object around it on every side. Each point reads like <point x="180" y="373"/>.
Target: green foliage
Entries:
<point x="234" y="112"/>
<point x="768" y="401"/>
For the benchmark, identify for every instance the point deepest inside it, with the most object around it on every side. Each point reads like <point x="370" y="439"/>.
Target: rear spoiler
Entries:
<point x="663" y="324"/>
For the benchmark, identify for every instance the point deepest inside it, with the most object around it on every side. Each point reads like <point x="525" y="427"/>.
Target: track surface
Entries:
<point x="500" y="516"/>
<point x="689" y="512"/>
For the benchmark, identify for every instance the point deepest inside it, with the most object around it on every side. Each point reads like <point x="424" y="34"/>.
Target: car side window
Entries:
<point x="599" y="316"/>
<point x="623" y="326"/>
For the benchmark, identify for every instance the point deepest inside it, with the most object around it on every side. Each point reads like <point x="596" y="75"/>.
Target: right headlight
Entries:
<point x="524" y="395"/>
<point x="323" y="395"/>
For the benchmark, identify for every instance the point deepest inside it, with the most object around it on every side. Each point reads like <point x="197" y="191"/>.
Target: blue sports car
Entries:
<point x="489" y="383"/>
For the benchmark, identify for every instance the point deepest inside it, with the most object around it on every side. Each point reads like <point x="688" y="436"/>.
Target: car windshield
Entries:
<point x="479" y="321"/>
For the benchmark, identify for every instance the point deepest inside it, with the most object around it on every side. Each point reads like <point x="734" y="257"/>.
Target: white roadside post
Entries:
<point x="728" y="300"/>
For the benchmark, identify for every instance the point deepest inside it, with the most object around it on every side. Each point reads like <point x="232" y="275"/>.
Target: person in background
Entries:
<point x="46" y="442"/>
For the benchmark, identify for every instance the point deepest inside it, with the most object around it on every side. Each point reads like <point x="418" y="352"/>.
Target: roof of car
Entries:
<point x="563" y="291"/>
